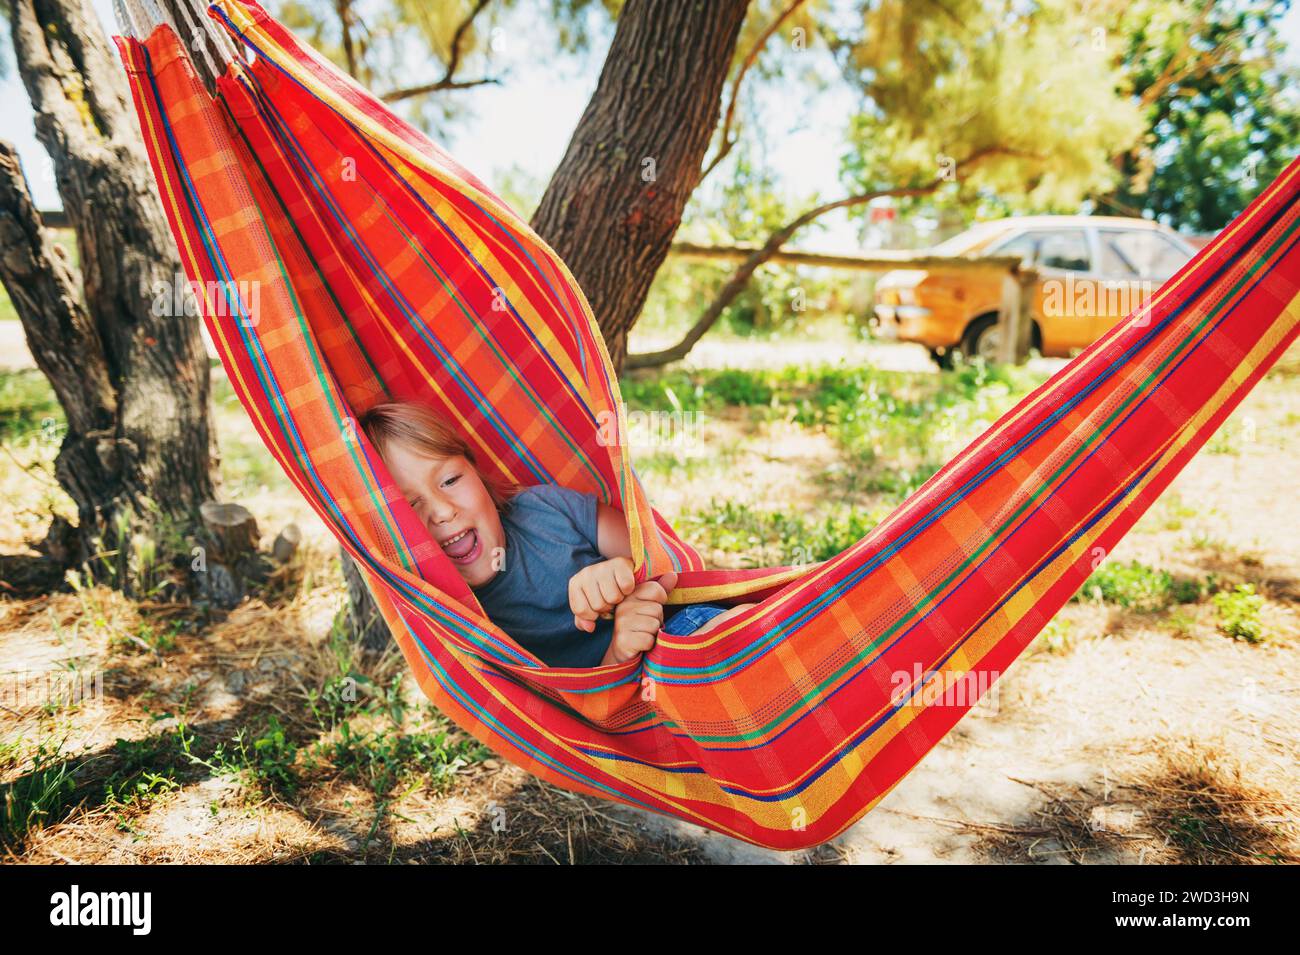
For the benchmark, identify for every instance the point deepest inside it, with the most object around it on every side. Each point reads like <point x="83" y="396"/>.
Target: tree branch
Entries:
<point x="453" y="63"/>
<point x="344" y="10"/>
<point x="728" y="141"/>
<point x="745" y="271"/>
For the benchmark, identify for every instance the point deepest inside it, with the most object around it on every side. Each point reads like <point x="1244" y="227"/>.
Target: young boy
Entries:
<point x="549" y="565"/>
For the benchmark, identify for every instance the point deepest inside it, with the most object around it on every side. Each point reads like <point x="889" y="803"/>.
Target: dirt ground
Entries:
<point x="1120" y="736"/>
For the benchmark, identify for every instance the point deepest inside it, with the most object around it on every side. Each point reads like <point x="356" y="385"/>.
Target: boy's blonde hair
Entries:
<point x="418" y="428"/>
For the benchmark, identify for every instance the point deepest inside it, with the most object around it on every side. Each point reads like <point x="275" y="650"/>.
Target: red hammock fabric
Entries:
<point x="384" y="270"/>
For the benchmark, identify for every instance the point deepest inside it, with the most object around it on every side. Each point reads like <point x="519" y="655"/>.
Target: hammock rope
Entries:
<point x="342" y="258"/>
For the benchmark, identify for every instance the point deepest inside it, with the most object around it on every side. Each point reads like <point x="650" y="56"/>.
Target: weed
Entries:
<point x="42" y="793"/>
<point x="1239" y="613"/>
<point x="1135" y="586"/>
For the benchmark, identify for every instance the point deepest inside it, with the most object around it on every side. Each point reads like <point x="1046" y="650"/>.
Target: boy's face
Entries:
<point x="456" y="507"/>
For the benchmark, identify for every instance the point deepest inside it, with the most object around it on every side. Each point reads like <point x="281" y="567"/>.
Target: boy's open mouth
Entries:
<point x="462" y="548"/>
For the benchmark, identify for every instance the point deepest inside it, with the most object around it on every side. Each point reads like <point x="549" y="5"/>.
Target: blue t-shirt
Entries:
<point x="550" y="535"/>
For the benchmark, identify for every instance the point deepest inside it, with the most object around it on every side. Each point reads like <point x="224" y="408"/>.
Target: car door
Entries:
<point x="1064" y="263"/>
<point x="1024" y="244"/>
<point x="1139" y="259"/>
<point x="1119" y="281"/>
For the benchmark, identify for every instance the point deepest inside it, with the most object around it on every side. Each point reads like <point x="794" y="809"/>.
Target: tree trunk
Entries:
<point x="127" y="365"/>
<point x="617" y="197"/>
<point x="361" y="619"/>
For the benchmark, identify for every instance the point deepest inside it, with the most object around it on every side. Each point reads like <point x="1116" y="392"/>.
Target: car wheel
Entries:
<point x="983" y="339"/>
<point x="943" y="357"/>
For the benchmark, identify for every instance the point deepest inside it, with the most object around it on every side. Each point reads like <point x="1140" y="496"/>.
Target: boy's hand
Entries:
<point x="598" y="589"/>
<point x="638" y="619"/>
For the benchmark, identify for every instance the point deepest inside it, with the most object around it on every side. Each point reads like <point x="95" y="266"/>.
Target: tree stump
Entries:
<point x="227" y="564"/>
<point x="286" y="543"/>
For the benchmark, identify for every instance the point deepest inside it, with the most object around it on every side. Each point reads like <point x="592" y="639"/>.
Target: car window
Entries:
<point x="1066" y="249"/>
<point x="1115" y="259"/>
<point x="1142" y="251"/>
<point x="1024" y="245"/>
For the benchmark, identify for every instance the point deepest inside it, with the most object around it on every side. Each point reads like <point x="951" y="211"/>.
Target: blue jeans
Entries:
<point x="689" y="619"/>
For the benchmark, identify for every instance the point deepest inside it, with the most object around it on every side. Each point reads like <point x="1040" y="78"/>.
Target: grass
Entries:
<point x="267" y="758"/>
<point x="765" y="538"/>
<point x="894" y="429"/>
<point x="1187" y="806"/>
<point x="246" y="466"/>
<point x="41" y="795"/>
<point x="1174" y="512"/>
<point x="1136" y="586"/>
<point x="28" y="408"/>
<point x="380" y="759"/>
<point x="1239" y="613"/>
<point x="1058" y="637"/>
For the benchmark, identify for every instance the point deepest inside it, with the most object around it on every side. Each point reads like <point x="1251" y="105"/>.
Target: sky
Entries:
<point x="527" y="120"/>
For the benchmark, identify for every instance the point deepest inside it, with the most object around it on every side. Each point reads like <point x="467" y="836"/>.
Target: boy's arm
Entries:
<point x="597" y="589"/>
<point x="611" y="532"/>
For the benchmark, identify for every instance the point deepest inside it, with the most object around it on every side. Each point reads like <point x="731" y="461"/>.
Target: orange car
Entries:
<point x="1093" y="271"/>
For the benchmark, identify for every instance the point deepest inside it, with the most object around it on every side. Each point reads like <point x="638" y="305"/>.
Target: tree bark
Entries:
<point x="617" y="197"/>
<point x="127" y="365"/>
<point x="361" y="619"/>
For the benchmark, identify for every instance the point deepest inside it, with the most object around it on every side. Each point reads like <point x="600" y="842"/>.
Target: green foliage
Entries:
<point x="382" y="754"/>
<point x="1025" y="88"/>
<point x="28" y="408"/>
<point x="1179" y="623"/>
<point x="1135" y="586"/>
<point x="349" y="692"/>
<point x="245" y="464"/>
<point x="393" y="45"/>
<point x="895" y="428"/>
<point x="777" y="536"/>
<point x="1239" y="613"/>
<point x="1220" y="108"/>
<point x="381" y="759"/>
<point x="267" y="758"/>
<point x="125" y="779"/>
<point x="745" y="209"/>
<point x="41" y="794"/>
<point x="1057" y="637"/>
<point x="159" y="639"/>
<point x="143" y="770"/>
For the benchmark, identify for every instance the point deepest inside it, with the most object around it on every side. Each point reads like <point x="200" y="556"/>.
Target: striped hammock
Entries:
<point x="344" y="259"/>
